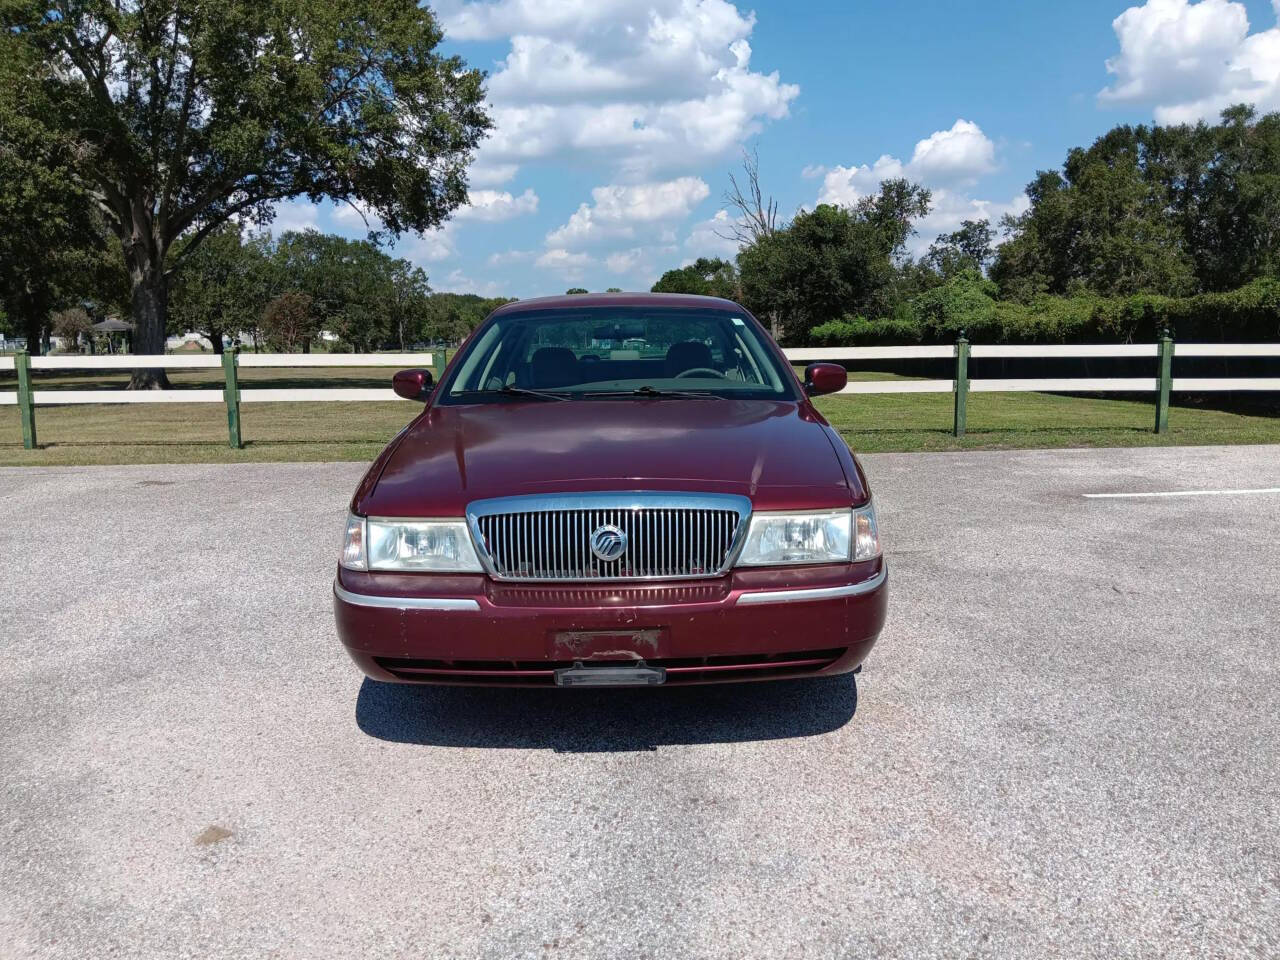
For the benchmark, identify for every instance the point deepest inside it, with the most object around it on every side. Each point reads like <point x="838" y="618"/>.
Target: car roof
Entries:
<point x="570" y="300"/>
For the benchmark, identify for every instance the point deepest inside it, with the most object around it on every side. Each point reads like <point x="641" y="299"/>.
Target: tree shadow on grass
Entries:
<point x="601" y="721"/>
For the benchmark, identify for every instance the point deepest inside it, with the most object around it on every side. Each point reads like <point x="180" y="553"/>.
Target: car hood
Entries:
<point x="780" y="454"/>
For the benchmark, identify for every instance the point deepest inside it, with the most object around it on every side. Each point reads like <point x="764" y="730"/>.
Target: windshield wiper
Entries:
<point x="512" y="391"/>
<point x="648" y="391"/>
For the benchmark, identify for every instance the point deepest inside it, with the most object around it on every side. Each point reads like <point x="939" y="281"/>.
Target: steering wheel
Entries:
<point x="685" y="374"/>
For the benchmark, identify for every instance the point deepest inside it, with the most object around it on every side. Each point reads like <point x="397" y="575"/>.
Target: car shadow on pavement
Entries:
<point x="595" y="721"/>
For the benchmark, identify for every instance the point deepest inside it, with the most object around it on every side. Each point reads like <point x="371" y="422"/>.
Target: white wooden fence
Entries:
<point x="1063" y="385"/>
<point x="210" y="361"/>
<point x="1161" y="383"/>
<point x="28" y="398"/>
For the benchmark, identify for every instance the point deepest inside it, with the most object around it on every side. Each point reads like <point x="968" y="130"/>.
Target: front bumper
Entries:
<point x="749" y="625"/>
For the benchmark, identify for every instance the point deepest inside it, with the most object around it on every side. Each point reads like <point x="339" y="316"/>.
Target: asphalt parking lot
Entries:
<point x="1064" y="745"/>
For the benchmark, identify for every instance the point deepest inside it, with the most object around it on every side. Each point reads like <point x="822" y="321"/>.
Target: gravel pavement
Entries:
<point x="1066" y="743"/>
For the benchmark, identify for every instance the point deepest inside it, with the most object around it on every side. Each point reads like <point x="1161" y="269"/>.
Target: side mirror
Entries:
<point x="413" y="384"/>
<point x="820" y="378"/>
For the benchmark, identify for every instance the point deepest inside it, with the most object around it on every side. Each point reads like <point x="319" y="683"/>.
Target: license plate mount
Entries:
<point x="637" y="674"/>
<point x="629" y="644"/>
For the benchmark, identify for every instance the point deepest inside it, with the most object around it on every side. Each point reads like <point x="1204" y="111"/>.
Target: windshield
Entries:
<point x="594" y="351"/>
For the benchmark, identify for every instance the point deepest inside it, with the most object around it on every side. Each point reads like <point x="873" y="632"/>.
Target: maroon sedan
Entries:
<point x="613" y="490"/>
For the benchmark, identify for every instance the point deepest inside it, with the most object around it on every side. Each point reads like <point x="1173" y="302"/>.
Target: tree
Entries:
<point x="223" y="286"/>
<point x="1172" y="210"/>
<point x="613" y="290"/>
<point x="54" y="250"/>
<point x="182" y="116"/>
<point x="1225" y="181"/>
<point x="754" y="223"/>
<point x="767" y="270"/>
<point x="708" y="277"/>
<point x="577" y="290"/>
<point x="71" y="324"/>
<point x="358" y="292"/>
<point x="756" y="215"/>
<point x="892" y="212"/>
<point x="288" y="321"/>
<point x="407" y="295"/>
<point x="833" y="261"/>
<point x="452" y="316"/>
<point x="965" y="250"/>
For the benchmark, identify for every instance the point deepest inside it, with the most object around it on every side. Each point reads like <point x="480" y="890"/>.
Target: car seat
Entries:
<point x="554" y="367"/>
<point x="688" y="355"/>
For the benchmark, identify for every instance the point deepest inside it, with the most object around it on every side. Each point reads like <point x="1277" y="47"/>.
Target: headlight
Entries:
<point x="779" y="538"/>
<point x="428" y="546"/>
<point x="828" y="536"/>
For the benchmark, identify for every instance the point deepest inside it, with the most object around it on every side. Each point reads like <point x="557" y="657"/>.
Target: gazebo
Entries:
<point x="111" y="327"/>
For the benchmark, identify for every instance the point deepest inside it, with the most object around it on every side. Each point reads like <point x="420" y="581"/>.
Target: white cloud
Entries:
<point x="948" y="162"/>
<point x="641" y="264"/>
<point x="1191" y="60"/>
<point x="296" y="215"/>
<point x="504" y="257"/>
<point x="624" y="261"/>
<point x="486" y="206"/>
<point x="646" y="84"/>
<point x="488" y="21"/>
<point x="958" y="156"/>
<point x="492" y="206"/>
<point x="491" y="175"/>
<point x="815" y="170"/>
<point x="355" y="215"/>
<point x="707" y="238"/>
<point x="961" y="154"/>
<point x="845" y="186"/>
<point x="564" y="261"/>
<point x="950" y="209"/>
<point x="458" y="282"/>
<point x="546" y="69"/>
<point x="489" y="206"/>
<point x="432" y="247"/>
<point x="617" y="210"/>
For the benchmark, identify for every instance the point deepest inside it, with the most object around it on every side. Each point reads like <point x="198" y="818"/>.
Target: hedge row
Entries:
<point x="968" y="302"/>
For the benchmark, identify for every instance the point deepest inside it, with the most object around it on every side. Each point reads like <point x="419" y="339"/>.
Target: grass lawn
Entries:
<point x="197" y="433"/>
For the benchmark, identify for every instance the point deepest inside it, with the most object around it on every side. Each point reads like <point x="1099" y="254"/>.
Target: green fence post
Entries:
<point x="1165" y="376"/>
<point x="231" y="394"/>
<point x="962" y="382"/>
<point x="26" y="404"/>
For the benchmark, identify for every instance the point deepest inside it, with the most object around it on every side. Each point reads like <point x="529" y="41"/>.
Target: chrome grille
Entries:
<point x="668" y="536"/>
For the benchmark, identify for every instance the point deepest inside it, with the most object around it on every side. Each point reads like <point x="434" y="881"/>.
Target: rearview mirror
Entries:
<point x="820" y="378"/>
<point x="413" y="384"/>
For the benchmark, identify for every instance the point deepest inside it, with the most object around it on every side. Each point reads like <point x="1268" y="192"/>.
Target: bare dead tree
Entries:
<point x="756" y="215"/>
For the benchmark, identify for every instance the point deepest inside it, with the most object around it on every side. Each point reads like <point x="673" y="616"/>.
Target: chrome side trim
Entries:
<point x="404" y="603"/>
<point x="815" y="593"/>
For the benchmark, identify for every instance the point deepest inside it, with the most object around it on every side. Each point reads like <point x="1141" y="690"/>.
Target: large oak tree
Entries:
<point x="184" y="114"/>
<point x="55" y="252"/>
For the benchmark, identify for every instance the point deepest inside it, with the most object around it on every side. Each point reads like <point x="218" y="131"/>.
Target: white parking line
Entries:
<point x="1182" y="493"/>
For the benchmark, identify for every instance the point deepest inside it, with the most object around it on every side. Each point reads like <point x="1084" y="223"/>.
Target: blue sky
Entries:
<point x="617" y="122"/>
